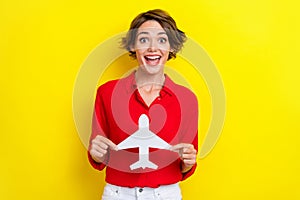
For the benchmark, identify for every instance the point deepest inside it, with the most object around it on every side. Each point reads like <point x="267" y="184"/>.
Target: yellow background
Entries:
<point x="255" y="45"/>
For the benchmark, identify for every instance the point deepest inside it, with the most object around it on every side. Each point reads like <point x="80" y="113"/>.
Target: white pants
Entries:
<point x="165" y="192"/>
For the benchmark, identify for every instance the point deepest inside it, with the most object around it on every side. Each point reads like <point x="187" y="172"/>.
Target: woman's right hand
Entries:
<point x="99" y="148"/>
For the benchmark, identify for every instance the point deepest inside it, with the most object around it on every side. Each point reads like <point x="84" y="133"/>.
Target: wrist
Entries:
<point x="185" y="168"/>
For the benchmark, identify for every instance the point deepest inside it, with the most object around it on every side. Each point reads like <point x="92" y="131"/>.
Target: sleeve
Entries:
<point x="99" y="127"/>
<point x="190" y="131"/>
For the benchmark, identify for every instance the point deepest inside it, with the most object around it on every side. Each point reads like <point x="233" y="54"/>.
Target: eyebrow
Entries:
<point x="147" y="33"/>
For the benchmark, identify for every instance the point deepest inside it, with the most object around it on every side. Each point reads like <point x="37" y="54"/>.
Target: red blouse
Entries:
<point x="173" y="116"/>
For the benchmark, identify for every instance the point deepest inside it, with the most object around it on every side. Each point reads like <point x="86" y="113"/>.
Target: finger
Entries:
<point x="99" y="143"/>
<point x="99" y="146"/>
<point x="179" y="146"/>
<point x="103" y="145"/>
<point x="188" y="157"/>
<point x="190" y="150"/>
<point x="108" y="142"/>
<point x="96" y="154"/>
<point x="189" y="162"/>
<point x="99" y="149"/>
<point x="98" y="157"/>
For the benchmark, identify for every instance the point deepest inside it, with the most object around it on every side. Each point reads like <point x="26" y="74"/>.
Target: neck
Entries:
<point x="144" y="79"/>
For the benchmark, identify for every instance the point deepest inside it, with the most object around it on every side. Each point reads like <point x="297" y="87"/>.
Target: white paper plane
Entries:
<point x="143" y="138"/>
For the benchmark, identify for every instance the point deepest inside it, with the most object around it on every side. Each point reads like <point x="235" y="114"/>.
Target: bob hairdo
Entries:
<point x="176" y="37"/>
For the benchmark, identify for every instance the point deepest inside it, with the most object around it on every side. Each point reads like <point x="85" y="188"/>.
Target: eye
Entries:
<point x="162" y="40"/>
<point x="143" y="40"/>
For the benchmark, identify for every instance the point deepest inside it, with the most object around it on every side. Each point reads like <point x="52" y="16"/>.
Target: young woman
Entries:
<point x="171" y="114"/>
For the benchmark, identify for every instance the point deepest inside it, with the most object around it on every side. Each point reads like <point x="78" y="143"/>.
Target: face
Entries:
<point x="152" y="47"/>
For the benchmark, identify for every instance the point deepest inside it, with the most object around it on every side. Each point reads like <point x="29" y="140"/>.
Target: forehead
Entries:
<point x="151" y="26"/>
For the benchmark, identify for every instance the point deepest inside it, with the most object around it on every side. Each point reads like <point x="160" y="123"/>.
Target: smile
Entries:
<point x="152" y="58"/>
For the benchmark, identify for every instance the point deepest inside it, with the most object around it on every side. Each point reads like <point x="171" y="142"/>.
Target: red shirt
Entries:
<point x="173" y="116"/>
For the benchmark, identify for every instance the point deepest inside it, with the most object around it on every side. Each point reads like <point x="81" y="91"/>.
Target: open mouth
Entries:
<point x="152" y="60"/>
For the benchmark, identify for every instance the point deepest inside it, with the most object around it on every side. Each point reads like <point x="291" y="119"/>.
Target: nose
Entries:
<point x="153" y="46"/>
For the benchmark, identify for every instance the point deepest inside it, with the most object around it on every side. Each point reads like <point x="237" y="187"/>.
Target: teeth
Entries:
<point x="152" y="57"/>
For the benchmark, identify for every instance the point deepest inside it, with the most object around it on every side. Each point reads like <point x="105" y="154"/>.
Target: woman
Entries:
<point x="171" y="114"/>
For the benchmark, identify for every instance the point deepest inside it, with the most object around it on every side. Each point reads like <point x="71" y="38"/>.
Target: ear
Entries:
<point x="131" y="48"/>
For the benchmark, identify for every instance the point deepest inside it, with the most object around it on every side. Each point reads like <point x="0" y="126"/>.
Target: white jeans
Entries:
<point x="165" y="192"/>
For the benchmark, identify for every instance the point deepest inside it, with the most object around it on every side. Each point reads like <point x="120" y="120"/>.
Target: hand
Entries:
<point x="188" y="155"/>
<point x="99" y="148"/>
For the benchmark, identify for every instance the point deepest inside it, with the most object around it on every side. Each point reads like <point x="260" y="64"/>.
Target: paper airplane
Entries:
<point x="143" y="138"/>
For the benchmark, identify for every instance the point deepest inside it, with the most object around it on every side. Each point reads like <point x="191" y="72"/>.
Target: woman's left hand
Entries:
<point x="188" y="155"/>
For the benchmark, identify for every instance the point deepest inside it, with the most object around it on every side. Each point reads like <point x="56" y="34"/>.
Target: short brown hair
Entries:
<point x="176" y="37"/>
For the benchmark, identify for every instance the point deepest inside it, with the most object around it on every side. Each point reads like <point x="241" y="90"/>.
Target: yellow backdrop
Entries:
<point x="255" y="45"/>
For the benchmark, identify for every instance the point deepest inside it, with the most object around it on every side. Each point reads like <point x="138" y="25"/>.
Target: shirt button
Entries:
<point x="141" y="190"/>
<point x="159" y="98"/>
